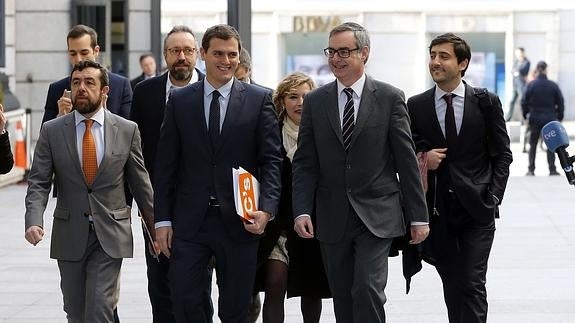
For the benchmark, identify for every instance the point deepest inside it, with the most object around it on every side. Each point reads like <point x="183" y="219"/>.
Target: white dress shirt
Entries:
<point x="97" y="133"/>
<point x="457" y="102"/>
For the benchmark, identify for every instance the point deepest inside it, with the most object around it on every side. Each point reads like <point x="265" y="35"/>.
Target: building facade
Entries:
<point x="290" y="35"/>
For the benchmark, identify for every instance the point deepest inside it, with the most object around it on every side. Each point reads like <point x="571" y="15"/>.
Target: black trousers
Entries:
<point x="462" y="262"/>
<point x="535" y="130"/>
<point x="235" y="271"/>
<point x="159" y="289"/>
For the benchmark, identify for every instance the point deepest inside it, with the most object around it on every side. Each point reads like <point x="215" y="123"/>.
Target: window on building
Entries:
<point x="2" y="32"/>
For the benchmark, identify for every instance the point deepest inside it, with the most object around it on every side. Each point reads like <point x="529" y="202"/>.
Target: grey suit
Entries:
<point x="75" y="243"/>
<point x="358" y="197"/>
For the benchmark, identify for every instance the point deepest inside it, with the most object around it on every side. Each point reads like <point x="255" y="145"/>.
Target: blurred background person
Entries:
<point x="148" y="67"/>
<point x="520" y="72"/>
<point x="287" y="262"/>
<point x="6" y="158"/>
<point x="7" y="98"/>
<point x="541" y="103"/>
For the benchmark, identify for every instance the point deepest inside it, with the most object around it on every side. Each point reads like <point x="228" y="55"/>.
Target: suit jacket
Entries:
<point x="119" y="97"/>
<point x="137" y="80"/>
<point x="148" y="106"/>
<point x="186" y="166"/>
<point x="6" y="157"/>
<point x="57" y="154"/>
<point x="478" y="167"/>
<point x="365" y="178"/>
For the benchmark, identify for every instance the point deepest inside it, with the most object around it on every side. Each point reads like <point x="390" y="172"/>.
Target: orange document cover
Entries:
<point x="246" y="193"/>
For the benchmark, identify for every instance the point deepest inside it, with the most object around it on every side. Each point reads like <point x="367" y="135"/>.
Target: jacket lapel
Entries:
<point x="332" y="109"/>
<point x="110" y="139"/>
<point x="367" y="104"/>
<point x="234" y="110"/>
<point x="431" y="114"/>
<point x="69" y="134"/>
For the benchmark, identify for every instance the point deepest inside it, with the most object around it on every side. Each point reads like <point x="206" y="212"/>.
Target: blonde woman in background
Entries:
<point x="286" y="262"/>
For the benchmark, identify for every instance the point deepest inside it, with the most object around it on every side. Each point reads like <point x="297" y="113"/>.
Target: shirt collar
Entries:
<point x="169" y="83"/>
<point x="459" y="91"/>
<point x="224" y="89"/>
<point x="98" y="117"/>
<point x="357" y="87"/>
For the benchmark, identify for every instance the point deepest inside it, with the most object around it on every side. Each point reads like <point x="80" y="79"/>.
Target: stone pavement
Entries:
<point x="531" y="276"/>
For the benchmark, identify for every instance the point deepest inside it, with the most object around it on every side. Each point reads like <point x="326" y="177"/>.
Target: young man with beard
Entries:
<point x="82" y="44"/>
<point x="91" y="154"/>
<point x="148" y="105"/>
<point x="209" y="128"/>
<point x="465" y="142"/>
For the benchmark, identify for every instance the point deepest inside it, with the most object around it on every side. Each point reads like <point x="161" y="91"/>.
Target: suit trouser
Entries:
<point x="533" y="140"/>
<point x="356" y="268"/>
<point x="462" y="265"/>
<point x="91" y="286"/>
<point x="159" y="289"/>
<point x="235" y="271"/>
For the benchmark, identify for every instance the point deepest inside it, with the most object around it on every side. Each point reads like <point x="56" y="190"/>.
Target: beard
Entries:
<point x="87" y="107"/>
<point x="181" y="74"/>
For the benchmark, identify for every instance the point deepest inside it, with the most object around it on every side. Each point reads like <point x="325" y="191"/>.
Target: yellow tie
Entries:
<point x="89" y="160"/>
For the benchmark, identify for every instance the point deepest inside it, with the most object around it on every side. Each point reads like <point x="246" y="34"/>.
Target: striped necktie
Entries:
<point x="348" y="124"/>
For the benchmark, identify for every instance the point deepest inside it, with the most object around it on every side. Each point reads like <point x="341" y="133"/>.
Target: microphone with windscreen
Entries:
<point x="557" y="140"/>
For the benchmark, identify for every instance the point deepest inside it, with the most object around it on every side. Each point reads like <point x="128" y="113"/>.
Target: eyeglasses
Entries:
<point x="342" y="52"/>
<point x="187" y="51"/>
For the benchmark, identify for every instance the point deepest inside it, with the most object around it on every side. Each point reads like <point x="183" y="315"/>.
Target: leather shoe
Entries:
<point x="553" y="173"/>
<point x="530" y="173"/>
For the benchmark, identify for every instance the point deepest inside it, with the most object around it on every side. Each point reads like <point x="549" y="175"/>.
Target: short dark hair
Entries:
<point x="81" y="30"/>
<point x="359" y="32"/>
<point x="541" y="66"/>
<point x="460" y="47"/>
<point x="178" y="29"/>
<point x="81" y="65"/>
<point x="146" y="55"/>
<point x="224" y="32"/>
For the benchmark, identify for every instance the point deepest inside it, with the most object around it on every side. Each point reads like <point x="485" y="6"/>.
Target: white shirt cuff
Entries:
<point x="163" y="224"/>
<point x="419" y="223"/>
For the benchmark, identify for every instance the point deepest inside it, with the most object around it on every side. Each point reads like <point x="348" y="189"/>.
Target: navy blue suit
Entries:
<point x="119" y="97"/>
<point x="184" y="171"/>
<point x="148" y="105"/>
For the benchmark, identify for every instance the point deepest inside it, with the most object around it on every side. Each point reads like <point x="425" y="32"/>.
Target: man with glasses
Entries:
<point x="354" y="141"/>
<point x="150" y="98"/>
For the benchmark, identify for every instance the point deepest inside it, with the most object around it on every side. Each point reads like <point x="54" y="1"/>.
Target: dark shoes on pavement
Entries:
<point x="553" y="173"/>
<point x="530" y="173"/>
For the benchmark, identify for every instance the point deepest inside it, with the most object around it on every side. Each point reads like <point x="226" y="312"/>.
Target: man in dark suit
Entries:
<point x="89" y="152"/>
<point x="83" y="44"/>
<point x="148" y="67"/>
<point x="209" y="128"/>
<point x="466" y="146"/>
<point x="354" y="141"/>
<point x="148" y="105"/>
<point x="542" y="103"/>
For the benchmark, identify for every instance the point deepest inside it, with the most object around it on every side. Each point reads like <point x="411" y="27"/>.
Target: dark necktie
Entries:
<point x="214" y="119"/>
<point x="450" y="127"/>
<point x="348" y="124"/>
<point x="89" y="159"/>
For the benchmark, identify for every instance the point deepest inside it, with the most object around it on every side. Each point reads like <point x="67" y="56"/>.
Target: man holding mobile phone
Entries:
<point x="82" y="44"/>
